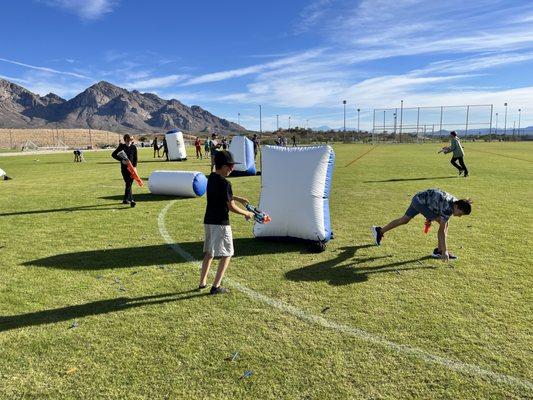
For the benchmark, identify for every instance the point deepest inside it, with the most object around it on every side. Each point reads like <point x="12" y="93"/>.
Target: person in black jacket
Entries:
<point x="131" y="152"/>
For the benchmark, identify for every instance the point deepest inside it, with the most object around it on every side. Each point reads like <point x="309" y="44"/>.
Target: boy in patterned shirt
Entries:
<point x="434" y="205"/>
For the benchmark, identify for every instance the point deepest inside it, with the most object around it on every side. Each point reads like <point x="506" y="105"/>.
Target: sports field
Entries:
<point x="97" y="299"/>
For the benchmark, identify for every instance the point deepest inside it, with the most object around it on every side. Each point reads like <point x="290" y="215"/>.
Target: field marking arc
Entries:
<point x="457" y="366"/>
<point x="361" y="156"/>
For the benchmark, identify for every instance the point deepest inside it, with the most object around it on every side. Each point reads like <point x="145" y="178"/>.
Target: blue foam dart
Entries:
<point x="259" y="216"/>
<point x="246" y="374"/>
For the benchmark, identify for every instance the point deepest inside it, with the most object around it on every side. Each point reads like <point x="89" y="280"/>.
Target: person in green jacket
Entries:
<point x="458" y="153"/>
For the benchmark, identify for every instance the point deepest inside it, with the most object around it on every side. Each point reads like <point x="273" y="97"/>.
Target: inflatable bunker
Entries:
<point x="242" y="149"/>
<point x="176" y="146"/>
<point x="177" y="183"/>
<point x="295" y="187"/>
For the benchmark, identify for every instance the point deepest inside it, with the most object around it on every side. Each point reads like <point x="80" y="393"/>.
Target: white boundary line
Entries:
<point x="457" y="366"/>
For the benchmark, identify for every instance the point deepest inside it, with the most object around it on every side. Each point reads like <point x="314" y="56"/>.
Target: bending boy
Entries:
<point x="218" y="239"/>
<point x="434" y="205"/>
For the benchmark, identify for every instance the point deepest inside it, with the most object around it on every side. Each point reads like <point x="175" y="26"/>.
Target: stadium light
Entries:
<point x="519" y="117"/>
<point x="496" y="128"/>
<point x="358" y="120"/>
<point x="505" y="120"/>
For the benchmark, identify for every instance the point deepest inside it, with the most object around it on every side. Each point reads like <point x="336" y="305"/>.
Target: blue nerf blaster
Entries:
<point x="259" y="216"/>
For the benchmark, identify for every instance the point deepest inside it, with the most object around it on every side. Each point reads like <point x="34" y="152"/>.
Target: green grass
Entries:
<point x="69" y="252"/>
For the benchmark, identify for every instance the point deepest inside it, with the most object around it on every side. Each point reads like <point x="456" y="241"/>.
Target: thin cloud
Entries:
<point x="88" y="10"/>
<point x="45" y="69"/>
<point x="157" y="82"/>
<point x="254" y="69"/>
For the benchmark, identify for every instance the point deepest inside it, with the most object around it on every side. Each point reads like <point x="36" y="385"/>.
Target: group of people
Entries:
<point x="434" y="204"/>
<point x="157" y="147"/>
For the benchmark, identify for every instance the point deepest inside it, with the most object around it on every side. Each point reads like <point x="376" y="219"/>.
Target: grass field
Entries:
<point x="356" y="321"/>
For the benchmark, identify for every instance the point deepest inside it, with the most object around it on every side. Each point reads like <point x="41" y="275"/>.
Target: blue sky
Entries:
<point x="296" y="58"/>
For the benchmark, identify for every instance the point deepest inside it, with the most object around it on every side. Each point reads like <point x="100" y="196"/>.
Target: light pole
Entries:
<point x="496" y="127"/>
<point x="519" y="117"/>
<point x="384" y="121"/>
<point x="401" y="119"/>
<point x="358" y="119"/>
<point x="306" y="124"/>
<point x="260" y="121"/>
<point x="238" y="118"/>
<point x="344" y="125"/>
<point x="277" y="122"/>
<point x="289" y="122"/>
<point x="505" y="120"/>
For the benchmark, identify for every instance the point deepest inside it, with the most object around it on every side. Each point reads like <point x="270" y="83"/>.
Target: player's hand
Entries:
<point x="125" y="162"/>
<point x="445" y="257"/>
<point x="248" y="216"/>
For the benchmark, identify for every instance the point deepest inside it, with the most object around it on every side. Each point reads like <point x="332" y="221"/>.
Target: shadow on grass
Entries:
<point x="128" y="257"/>
<point x="337" y="275"/>
<point x="140" y="161"/>
<point x="109" y="206"/>
<point x="93" y="308"/>
<point x="412" y="179"/>
<point x="138" y="197"/>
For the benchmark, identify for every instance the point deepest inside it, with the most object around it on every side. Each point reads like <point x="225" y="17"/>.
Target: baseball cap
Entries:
<point x="224" y="157"/>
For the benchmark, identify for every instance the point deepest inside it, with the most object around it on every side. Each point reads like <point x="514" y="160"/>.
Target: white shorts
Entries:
<point x="218" y="240"/>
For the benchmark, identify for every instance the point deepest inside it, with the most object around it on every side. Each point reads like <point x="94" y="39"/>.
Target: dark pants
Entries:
<point x="128" y="180"/>
<point x="462" y="166"/>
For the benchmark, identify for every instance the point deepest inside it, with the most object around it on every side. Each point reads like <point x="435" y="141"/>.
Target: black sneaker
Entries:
<point x="436" y="254"/>
<point x="378" y="235"/>
<point x="125" y="202"/>
<point x="133" y="204"/>
<point x="218" y="290"/>
<point x="466" y="174"/>
<point x="201" y="287"/>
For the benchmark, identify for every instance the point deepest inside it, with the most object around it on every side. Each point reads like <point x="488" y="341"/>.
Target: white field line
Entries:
<point x="458" y="366"/>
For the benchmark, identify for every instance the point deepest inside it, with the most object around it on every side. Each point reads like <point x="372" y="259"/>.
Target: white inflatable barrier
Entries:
<point x="177" y="183"/>
<point x="176" y="146"/>
<point x="242" y="149"/>
<point x="295" y="187"/>
<point x="2" y="173"/>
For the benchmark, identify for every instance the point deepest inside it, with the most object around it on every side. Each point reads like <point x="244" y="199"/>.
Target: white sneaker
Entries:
<point x="377" y="234"/>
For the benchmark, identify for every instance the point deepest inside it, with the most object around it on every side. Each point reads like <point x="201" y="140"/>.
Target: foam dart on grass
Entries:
<point x="246" y="374"/>
<point x="259" y="216"/>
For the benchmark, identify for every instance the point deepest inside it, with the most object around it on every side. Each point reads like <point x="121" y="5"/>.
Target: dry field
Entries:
<point x="16" y="138"/>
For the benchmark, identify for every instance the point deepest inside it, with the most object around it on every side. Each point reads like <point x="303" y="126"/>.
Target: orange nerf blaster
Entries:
<point x="131" y="169"/>
<point x="427" y="226"/>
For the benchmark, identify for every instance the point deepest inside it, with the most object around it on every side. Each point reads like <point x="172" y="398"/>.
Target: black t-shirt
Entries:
<point x="131" y="153"/>
<point x="219" y="192"/>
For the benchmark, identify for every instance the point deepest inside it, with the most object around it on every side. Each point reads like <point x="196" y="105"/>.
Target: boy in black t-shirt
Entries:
<point x="218" y="240"/>
<point x="131" y="152"/>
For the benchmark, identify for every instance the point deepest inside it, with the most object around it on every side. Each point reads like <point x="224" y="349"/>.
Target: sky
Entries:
<point x="297" y="59"/>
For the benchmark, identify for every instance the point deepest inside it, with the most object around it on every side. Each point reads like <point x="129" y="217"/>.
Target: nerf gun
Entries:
<point x="131" y="169"/>
<point x="444" y="150"/>
<point x="259" y="216"/>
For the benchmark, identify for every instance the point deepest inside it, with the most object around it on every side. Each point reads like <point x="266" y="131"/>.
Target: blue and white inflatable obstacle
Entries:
<point x="295" y="186"/>
<point x="242" y="149"/>
<point x="176" y="146"/>
<point x="177" y="183"/>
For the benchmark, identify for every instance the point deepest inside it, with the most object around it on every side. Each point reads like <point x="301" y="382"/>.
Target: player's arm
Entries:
<point x="237" y="210"/>
<point x="441" y="235"/>
<point x="243" y="200"/>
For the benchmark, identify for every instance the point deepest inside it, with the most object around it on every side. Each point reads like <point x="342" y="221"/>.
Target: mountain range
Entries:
<point x="107" y="107"/>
